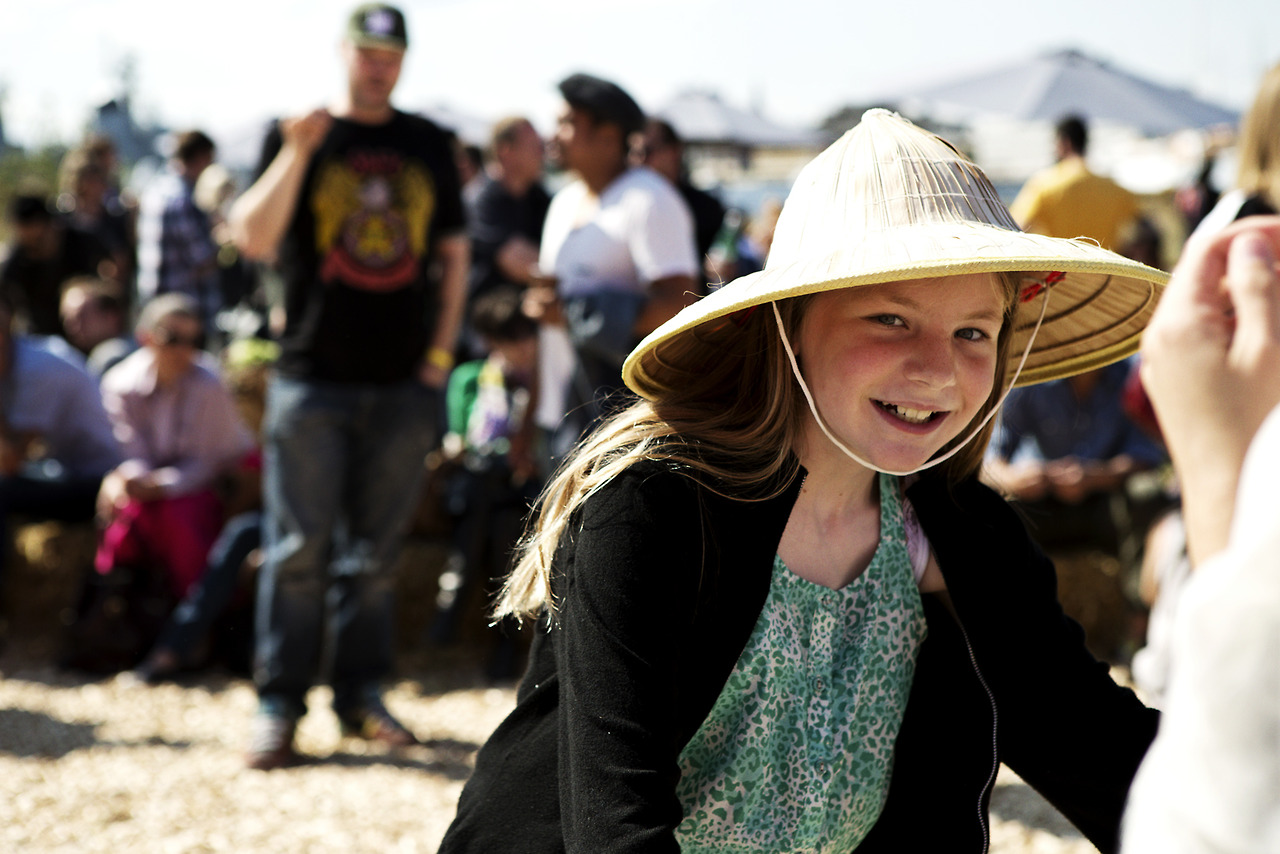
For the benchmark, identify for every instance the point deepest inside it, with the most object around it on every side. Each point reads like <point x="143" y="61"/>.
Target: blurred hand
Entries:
<point x="1211" y="364"/>
<point x="1067" y="480"/>
<point x="143" y="487"/>
<point x="1211" y="356"/>
<point x="543" y="305"/>
<point x="433" y="376"/>
<point x="306" y="132"/>
<point x="111" y="495"/>
<point x="119" y="488"/>
<point x="1026" y="481"/>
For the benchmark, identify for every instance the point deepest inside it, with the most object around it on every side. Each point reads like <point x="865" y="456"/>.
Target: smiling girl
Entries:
<point x="777" y="610"/>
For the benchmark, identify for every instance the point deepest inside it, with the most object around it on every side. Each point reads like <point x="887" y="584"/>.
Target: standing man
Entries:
<point x="1067" y="200"/>
<point x="361" y="207"/>
<point x="618" y="242"/>
<point x="506" y="206"/>
<point x="176" y="249"/>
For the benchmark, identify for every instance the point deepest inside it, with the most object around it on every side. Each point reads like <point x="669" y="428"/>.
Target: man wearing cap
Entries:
<point x="618" y="240"/>
<point x="360" y="206"/>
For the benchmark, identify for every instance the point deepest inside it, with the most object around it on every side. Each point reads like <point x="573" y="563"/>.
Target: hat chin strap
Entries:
<point x="813" y="407"/>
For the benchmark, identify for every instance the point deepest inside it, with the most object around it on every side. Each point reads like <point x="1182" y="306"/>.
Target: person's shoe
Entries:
<point x="160" y="666"/>
<point x="271" y="742"/>
<point x="375" y="723"/>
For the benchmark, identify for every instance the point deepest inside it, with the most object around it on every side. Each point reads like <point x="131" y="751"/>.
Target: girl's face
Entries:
<point x="900" y="369"/>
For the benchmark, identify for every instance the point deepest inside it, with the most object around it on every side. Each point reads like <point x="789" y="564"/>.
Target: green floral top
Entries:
<point x="797" y="751"/>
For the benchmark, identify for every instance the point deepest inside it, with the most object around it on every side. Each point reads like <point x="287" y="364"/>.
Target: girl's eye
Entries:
<point x="969" y="333"/>
<point x="887" y="319"/>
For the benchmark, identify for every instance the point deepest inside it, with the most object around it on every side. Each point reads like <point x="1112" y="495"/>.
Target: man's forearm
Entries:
<point x="517" y="259"/>
<point x="259" y="218"/>
<point x="455" y="262"/>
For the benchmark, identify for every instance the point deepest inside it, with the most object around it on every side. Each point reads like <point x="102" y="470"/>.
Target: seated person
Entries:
<point x="490" y="423"/>
<point x="217" y="607"/>
<point x="180" y="432"/>
<point x="45" y="252"/>
<point x="55" y="440"/>
<point x="93" y="321"/>
<point x="1063" y="449"/>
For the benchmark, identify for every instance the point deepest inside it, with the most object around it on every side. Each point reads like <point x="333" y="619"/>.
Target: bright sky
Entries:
<point x="226" y="65"/>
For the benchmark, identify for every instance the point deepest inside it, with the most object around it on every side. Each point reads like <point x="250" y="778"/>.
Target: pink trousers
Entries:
<point x="170" y="534"/>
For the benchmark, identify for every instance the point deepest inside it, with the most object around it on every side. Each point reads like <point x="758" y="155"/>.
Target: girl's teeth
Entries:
<point x="915" y="416"/>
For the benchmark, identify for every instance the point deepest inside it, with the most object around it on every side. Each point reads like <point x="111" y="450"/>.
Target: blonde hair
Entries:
<point x="730" y="421"/>
<point x="1259" y="148"/>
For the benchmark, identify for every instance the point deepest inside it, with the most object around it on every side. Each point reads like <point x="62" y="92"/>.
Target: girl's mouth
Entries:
<point x="911" y="416"/>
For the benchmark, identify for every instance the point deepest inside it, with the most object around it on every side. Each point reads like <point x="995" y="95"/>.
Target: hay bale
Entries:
<point x="1091" y="587"/>
<point x="50" y="562"/>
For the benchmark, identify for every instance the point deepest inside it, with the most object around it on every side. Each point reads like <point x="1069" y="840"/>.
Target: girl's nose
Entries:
<point x="932" y="363"/>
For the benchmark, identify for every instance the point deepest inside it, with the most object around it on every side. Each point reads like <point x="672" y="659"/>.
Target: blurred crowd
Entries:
<point x="139" y="338"/>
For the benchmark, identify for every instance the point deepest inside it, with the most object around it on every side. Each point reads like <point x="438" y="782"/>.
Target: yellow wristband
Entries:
<point x="438" y="357"/>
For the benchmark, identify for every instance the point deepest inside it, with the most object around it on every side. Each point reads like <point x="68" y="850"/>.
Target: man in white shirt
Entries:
<point x="618" y="248"/>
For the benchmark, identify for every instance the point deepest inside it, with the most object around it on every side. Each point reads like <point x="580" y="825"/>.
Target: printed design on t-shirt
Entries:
<point x="372" y="211"/>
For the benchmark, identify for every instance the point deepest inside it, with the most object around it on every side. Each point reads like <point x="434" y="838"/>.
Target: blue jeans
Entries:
<point x="191" y="620"/>
<point x="343" y="466"/>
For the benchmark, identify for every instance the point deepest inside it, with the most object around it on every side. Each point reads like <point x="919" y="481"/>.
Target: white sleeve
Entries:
<point x="662" y="242"/>
<point x="1210" y="780"/>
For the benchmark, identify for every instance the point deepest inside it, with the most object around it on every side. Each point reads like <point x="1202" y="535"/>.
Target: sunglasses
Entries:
<point x="168" y="338"/>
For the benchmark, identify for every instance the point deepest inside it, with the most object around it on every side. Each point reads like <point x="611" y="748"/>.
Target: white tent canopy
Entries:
<point x="701" y="117"/>
<point x="1056" y="84"/>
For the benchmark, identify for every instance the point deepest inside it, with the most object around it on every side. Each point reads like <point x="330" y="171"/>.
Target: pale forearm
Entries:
<point x="455" y="258"/>
<point x="1211" y="364"/>
<point x="517" y="260"/>
<point x="1208" y="506"/>
<point x="259" y="218"/>
<point x="455" y="261"/>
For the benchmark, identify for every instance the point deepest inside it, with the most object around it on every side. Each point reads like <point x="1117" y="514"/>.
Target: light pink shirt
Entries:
<point x="186" y="433"/>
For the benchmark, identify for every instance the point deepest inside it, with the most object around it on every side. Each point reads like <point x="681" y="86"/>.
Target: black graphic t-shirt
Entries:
<point x="360" y="296"/>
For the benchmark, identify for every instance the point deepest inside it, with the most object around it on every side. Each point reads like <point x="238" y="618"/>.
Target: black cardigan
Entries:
<point x="660" y="587"/>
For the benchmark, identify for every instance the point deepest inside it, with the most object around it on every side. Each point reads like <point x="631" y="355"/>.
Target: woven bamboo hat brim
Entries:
<point x="889" y="201"/>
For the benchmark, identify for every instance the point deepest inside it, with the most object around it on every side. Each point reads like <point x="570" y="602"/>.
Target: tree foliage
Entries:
<point x="24" y="171"/>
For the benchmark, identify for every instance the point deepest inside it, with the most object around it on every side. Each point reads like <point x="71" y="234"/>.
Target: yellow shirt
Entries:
<point x="1067" y="200"/>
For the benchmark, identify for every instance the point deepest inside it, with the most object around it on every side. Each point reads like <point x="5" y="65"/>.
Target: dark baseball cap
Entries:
<point x="378" y="25"/>
<point x="604" y="100"/>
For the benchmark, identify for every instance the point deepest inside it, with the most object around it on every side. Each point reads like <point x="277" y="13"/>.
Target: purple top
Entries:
<point x="187" y="432"/>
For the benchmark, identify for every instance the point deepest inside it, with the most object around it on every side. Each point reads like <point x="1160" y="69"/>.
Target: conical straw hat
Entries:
<point x="889" y="201"/>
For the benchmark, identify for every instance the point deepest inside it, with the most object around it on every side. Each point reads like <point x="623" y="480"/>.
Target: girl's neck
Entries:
<point x="837" y="482"/>
<point x="834" y="528"/>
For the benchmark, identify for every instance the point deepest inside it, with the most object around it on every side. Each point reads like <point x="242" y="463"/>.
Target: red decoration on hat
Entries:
<point x="1034" y="289"/>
